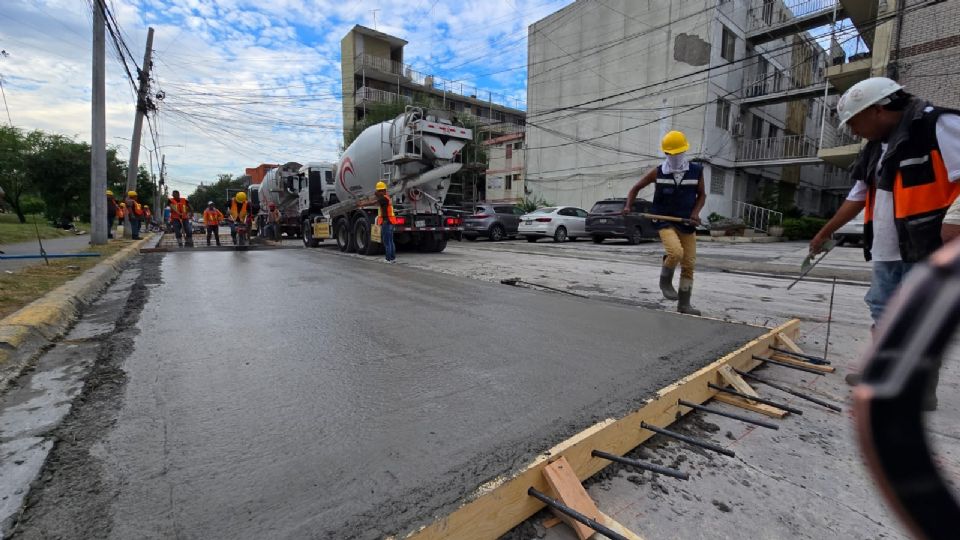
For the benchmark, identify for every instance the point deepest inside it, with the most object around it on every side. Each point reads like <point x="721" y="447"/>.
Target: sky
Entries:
<point x="244" y="82"/>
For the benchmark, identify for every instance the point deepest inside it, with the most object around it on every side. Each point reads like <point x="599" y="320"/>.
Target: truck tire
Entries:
<point x="308" y="239"/>
<point x="431" y="244"/>
<point x="361" y="234"/>
<point x="345" y="240"/>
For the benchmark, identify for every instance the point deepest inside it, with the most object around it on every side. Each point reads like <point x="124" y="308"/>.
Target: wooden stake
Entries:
<point x="731" y="377"/>
<point x="568" y="490"/>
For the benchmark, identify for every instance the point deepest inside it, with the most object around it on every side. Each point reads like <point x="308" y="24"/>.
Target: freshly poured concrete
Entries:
<point x="299" y="394"/>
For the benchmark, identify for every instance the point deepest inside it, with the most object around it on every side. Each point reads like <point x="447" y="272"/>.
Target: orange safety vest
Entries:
<point x="147" y="214"/>
<point x="178" y="209"/>
<point x="390" y="215"/>
<point x="914" y="171"/>
<point x="137" y="208"/>
<point x="235" y="213"/>
<point x="120" y="211"/>
<point x="212" y="217"/>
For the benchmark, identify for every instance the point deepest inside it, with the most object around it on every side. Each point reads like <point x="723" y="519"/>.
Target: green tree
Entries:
<point x="60" y="169"/>
<point x="218" y="192"/>
<point x="18" y="186"/>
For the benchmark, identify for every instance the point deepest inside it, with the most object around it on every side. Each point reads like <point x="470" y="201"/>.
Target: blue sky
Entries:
<point x="246" y="81"/>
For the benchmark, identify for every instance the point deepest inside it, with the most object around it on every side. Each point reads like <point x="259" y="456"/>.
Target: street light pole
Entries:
<point x="98" y="133"/>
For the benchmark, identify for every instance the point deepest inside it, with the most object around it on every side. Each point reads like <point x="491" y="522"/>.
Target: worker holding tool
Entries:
<point x="239" y="213"/>
<point x="212" y="218"/>
<point x="906" y="181"/>
<point x="386" y="220"/>
<point x="135" y="210"/>
<point x="180" y="213"/>
<point x="679" y="194"/>
<point x="111" y="213"/>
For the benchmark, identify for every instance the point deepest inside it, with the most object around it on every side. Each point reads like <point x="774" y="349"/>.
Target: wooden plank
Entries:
<point x="788" y="344"/>
<point x="568" y="490"/>
<point x="617" y="527"/>
<point x="736" y="381"/>
<point x="497" y="507"/>
<point x="801" y="363"/>
<point x="761" y="408"/>
<point x="550" y="523"/>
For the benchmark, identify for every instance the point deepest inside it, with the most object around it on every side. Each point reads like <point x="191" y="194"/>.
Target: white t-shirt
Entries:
<point x="886" y="246"/>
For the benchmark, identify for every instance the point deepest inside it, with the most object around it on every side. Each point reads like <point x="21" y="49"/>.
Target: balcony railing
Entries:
<point x="776" y="148"/>
<point x="757" y="217"/>
<point x="778" y="81"/>
<point x="835" y="135"/>
<point x="766" y="14"/>
<point x="367" y="94"/>
<point x="411" y="76"/>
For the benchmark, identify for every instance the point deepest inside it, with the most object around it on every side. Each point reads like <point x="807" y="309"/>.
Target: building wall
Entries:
<point x="929" y="45"/>
<point x="347" y="58"/>
<point x="505" y="170"/>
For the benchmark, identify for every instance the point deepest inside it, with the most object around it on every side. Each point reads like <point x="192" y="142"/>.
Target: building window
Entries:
<point x="768" y="11"/>
<point x="509" y="151"/>
<point x="508" y="182"/>
<point x="729" y="47"/>
<point x="723" y="114"/>
<point x="718" y="181"/>
<point x="756" y="128"/>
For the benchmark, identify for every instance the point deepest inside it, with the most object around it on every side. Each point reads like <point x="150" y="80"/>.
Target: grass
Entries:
<point x="12" y="231"/>
<point x="20" y="287"/>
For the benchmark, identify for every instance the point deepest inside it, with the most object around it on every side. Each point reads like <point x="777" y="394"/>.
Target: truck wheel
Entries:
<point x="308" y="239"/>
<point x="532" y="239"/>
<point x="431" y="244"/>
<point x="345" y="239"/>
<point x="560" y="235"/>
<point x="439" y="245"/>
<point x="597" y="239"/>
<point x="361" y="232"/>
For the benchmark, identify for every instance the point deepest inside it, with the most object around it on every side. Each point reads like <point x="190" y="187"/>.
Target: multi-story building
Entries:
<point x="743" y="79"/>
<point x="505" y="168"/>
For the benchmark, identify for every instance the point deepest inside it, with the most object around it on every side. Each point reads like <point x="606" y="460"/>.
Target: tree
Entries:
<point x="216" y="192"/>
<point x="60" y="169"/>
<point x="15" y="149"/>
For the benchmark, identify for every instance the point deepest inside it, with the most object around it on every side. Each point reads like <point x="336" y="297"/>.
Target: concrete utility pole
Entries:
<point x="161" y="186"/>
<point x="98" y="133"/>
<point x="142" y="92"/>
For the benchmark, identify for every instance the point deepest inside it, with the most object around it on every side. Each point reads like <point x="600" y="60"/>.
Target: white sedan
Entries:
<point x="562" y="223"/>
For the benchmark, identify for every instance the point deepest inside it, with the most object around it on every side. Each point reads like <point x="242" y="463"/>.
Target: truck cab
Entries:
<point x="316" y="187"/>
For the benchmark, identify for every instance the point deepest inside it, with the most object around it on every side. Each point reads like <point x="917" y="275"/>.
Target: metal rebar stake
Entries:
<point x="790" y="391"/>
<point x="573" y="514"/>
<point x="689" y="440"/>
<point x="735" y="416"/>
<point x="786" y="365"/>
<point x="636" y="463"/>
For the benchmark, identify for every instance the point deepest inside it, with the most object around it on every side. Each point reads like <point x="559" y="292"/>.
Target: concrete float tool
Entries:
<point x="812" y="261"/>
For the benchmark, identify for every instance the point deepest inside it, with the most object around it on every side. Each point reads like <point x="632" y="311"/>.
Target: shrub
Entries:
<point x="803" y="228"/>
<point x="714" y="217"/>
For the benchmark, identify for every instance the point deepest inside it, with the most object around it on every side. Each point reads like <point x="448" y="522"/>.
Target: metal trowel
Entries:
<point x="813" y="260"/>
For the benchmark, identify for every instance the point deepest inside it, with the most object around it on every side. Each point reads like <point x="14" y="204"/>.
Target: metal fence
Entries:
<point x="776" y="148"/>
<point x="365" y="93"/>
<point x="766" y="13"/>
<point x="757" y="217"/>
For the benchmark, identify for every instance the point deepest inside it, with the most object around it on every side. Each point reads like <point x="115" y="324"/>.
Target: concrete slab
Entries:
<point x="333" y="397"/>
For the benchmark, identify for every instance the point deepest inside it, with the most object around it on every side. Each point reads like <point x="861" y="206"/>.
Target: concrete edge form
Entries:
<point x="501" y="505"/>
<point x="27" y="331"/>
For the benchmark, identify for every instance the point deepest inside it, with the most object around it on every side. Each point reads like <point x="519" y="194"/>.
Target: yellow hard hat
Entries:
<point x="123" y="204"/>
<point x="131" y="194"/>
<point x="110" y="193"/>
<point x="381" y="186"/>
<point x="241" y="197"/>
<point x="674" y="142"/>
<point x="146" y="206"/>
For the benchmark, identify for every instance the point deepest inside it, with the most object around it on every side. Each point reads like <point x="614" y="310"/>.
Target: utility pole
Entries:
<point x="98" y="133"/>
<point x="161" y="188"/>
<point x="142" y="93"/>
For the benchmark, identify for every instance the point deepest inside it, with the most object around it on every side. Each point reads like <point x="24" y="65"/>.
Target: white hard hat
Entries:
<point x="872" y="91"/>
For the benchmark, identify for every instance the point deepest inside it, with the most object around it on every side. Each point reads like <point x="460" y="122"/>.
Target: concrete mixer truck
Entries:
<point x="281" y="186"/>
<point x="415" y="154"/>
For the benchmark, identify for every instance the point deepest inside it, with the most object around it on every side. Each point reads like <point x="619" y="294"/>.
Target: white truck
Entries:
<point x="415" y="154"/>
<point x="281" y="186"/>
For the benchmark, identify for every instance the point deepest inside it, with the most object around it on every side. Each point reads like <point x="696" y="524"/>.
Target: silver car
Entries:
<point x="494" y="221"/>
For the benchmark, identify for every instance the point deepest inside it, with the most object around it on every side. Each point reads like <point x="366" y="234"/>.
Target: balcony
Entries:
<point x="863" y="14"/>
<point x="843" y="76"/>
<point x="770" y="89"/>
<point x="770" y="21"/>
<point x="393" y="71"/>
<point x="838" y="146"/>
<point x="777" y="151"/>
<point x="366" y="94"/>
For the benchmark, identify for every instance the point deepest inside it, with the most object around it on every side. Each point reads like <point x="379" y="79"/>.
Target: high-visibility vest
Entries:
<point x="390" y="215"/>
<point x="178" y="209"/>
<point x="917" y="176"/>
<point x="240" y="213"/>
<point x="120" y="210"/>
<point x="136" y="207"/>
<point x="212" y="217"/>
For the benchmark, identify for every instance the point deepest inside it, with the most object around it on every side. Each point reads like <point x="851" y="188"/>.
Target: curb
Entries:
<point x="27" y="331"/>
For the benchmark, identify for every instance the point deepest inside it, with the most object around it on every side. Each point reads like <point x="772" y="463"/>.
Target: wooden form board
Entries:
<point x="567" y="489"/>
<point x="498" y="507"/>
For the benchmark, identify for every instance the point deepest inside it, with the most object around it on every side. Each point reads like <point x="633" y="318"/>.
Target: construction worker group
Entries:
<point x="129" y="211"/>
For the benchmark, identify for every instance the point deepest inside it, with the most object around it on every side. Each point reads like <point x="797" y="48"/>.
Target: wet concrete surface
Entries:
<point x="293" y="394"/>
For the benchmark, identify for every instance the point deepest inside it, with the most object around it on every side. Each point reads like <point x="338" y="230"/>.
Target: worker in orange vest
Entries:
<point x="135" y="210"/>
<point x="386" y="220"/>
<point x="239" y="213"/>
<point x="147" y="216"/>
<point x="111" y="213"/>
<point x="180" y="214"/>
<point x="121" y="212"/>
<point x="212" y="218"/>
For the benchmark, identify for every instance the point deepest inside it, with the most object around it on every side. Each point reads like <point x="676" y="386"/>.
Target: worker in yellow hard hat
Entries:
<point x="239" y="213"/>
<point x="386" y="220"/>
<point x="679" y="193"/>
<point x="134" y="214"/>
<point x="111" y="213"/>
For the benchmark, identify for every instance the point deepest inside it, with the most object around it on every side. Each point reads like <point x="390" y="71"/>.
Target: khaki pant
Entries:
<point x="681" y="249"/>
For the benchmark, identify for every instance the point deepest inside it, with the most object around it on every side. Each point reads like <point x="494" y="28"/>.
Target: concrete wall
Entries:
<point x="348" y="53"/>
<point x="501" y="166"/>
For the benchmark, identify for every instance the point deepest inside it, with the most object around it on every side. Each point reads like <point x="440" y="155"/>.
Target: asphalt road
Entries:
<point x="66" y="244"/>
<point x="301" y="393"/>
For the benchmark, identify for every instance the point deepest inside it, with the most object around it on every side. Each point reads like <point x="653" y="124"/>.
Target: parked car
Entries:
<point x="562" y="223"/>
<point x="606" y="221"/>
<point x="494" y="221"/>
<point x="851" y="233"/>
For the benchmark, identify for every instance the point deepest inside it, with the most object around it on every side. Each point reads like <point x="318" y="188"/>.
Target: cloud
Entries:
<point x="246" y="81"/>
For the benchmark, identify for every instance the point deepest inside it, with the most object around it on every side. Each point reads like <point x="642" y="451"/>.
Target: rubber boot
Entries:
<point x="666" y="283"/>
<point x="686" y="290"/>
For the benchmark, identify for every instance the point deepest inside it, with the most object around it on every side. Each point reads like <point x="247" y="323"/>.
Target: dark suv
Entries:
<point x="606" y="221"/>
<point x="495" y="221"/>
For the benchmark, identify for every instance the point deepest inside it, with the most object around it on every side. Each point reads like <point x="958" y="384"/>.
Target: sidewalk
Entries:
<point x="67" y="244"/>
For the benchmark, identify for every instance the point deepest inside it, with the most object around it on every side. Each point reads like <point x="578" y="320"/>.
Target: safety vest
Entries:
<point x="120" y="210"/>
<point x="914" y="172"/>
<point x="137" y="208"/>
<point x="212" y="217"/>
<point x="676" y="198"/>
<point x="178" y="209"/>
<point x="238" y="213"/>
<point x="390" y="215"/>
<point x="147" y="214"/>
